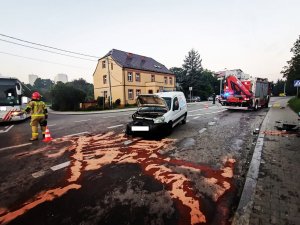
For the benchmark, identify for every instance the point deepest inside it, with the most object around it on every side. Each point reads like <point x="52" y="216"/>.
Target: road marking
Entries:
<point x="208" y="113"/>
<point x="70" y="135"/>
<point x="117" y="116"/>
<point x="4" y="131"/>
<point x="187" y="121"/>
<point x="202" y="130"/>
<point x="78" y="121"/>
<point x="115" y="126"/>
<point x="39" y="174"/>
<point x="52" y="125"/>
<point x="60" y="166"/>
<point x="202" y="109"/>
<point x="16" y="146"/>
<point x="196" y="117"/>
<point x="211" y="123"/>
<point x="108" y="117"/>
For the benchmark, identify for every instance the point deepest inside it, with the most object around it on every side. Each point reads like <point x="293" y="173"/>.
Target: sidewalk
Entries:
<point x="275" y="190"/>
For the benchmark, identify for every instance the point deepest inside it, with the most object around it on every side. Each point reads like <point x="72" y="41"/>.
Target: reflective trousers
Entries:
<point x="35" y="121"/>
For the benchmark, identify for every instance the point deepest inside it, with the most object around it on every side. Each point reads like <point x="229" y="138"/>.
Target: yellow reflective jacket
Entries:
<point x="37" y="108"/>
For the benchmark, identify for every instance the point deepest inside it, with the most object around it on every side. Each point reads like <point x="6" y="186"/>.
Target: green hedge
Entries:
<point x="294" y="103"/>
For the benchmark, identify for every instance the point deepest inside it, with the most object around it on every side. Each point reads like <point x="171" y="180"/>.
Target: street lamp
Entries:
<point x="220" y="79"/>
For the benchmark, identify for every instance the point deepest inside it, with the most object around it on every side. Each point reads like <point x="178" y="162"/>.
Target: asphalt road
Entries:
<point x="91" y="173"/>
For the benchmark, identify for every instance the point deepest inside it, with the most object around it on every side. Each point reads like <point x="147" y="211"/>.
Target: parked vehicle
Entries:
<point x="196" y="99"/>
<point x="210" y="98"/>
<point x="14" y="96"/>
<point x="245" y="94"/>
<point x="158" y="113"/>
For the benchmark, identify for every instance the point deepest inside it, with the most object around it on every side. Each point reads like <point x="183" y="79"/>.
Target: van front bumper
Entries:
<point x="144" y="127"/>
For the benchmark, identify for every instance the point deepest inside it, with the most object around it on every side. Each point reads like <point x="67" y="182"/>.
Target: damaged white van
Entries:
<point x="158" y="113"/>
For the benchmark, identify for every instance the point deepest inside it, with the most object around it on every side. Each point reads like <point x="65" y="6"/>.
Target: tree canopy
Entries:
<point x="66" y="97"/>
<point x="292" y="71"/>
<point x="193" y="75"/>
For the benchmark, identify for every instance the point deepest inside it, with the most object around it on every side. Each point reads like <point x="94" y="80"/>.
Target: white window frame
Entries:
<point x="130" y="92"/>
<point x="129" y="74"/>
<point x="104" y="79"/>
<point x="139" y="76"/>
<point x="166" y="80"/>
<point x="171" y="80"/>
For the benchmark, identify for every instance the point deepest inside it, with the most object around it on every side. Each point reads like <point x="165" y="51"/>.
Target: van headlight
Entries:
<point x="159" y="119"/>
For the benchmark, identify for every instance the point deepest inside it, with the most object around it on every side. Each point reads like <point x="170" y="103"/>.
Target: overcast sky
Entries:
<point x="255" y="36"/>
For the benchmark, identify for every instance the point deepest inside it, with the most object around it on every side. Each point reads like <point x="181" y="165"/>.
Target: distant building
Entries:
<point x="128" y="75"/>
<point x="236" y="72"/>
<point x="61" y="77"/>
<point x="32" y="78"/>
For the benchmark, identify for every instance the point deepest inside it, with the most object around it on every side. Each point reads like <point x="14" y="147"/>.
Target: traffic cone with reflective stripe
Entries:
<point x="47" y="135"/>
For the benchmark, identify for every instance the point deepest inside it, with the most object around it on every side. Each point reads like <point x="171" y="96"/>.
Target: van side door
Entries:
<point x="176" y="111"/>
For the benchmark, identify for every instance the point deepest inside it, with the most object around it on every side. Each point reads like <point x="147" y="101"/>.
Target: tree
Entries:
<point x="193" y="75"/>
<point x="66" y="97"/>
<point x="192" y="62"/>
<point x="292" y="71"/>
<point x="43" y="86"/>
<point x="278" y="87"/>
<point x="84" y="86"/>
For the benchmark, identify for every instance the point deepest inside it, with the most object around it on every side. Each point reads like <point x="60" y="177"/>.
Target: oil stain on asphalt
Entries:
<point x="108" y="182"/>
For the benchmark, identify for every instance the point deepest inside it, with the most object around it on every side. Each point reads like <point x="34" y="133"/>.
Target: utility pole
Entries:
<point x="110" y="93"/>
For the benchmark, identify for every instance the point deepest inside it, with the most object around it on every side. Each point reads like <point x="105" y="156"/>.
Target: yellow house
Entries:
<point x="123" y="75"/>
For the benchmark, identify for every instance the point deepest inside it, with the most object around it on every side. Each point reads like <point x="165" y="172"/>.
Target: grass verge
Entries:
<point x="294" y="103"/>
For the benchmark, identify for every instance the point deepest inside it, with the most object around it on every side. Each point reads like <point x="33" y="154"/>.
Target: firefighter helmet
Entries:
<point x="36" y="96"/>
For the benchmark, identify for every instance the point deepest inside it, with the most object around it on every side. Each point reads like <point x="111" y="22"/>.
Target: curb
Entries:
<point x="243" y="212"/>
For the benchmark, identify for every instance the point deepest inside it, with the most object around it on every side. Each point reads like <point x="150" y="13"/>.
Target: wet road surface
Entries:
<point x="193" y="176"/>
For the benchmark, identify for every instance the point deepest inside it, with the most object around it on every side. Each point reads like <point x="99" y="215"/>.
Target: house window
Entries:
<point x="157" y="90"/>
<point x="104" y="79"/>
<point x="138" y="92"/>
<point x="166" y="80"/>
<point x="150" y="92"/>
<point x="137" y="77"/>
<point x="112" y="66"/>
<point x="130" y="94"/>
<point x="103" y="64"/>
<point x="105" y="94"/>
<point x="152" y="78"/>
<point x="171" y="80"/>
<point x="129" y="76"/>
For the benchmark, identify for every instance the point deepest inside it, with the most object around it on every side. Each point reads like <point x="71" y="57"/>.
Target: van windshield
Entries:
<point x="168" y="101"/>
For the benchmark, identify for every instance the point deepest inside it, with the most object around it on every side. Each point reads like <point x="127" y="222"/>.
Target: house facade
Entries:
<point x="127" y="75"/>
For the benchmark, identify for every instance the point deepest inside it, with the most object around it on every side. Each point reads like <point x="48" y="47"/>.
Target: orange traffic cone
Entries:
<point x="47" y="136"/>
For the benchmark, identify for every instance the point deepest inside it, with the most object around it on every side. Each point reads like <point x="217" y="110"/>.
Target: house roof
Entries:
<point x="134" y="61"/>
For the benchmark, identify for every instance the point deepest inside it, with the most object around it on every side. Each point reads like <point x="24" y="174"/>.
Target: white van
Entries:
<point x="158" y="112"/>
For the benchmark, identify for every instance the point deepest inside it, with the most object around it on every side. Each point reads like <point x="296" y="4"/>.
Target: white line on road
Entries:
<point x="196" y="117"/>
<point x="51" y="125"/>
<point x="70" y="135"/>
<point x="208" y="113"/>
<point x="16" y="146"/>
<point x="4" y="131"/>
<point x="78" y="121"/>
<point x="202" y="130"/>
<point x="39" y="173"/>
<point x="60" y="166"/>
<point x="115" y="126"/>
<point x="202" y="109"/>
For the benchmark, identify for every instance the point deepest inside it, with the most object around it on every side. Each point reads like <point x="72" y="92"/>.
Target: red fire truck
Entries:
<point x="245" y="94"/>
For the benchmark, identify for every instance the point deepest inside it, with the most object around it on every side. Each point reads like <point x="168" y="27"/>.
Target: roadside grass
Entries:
<point x="294" y="103"/>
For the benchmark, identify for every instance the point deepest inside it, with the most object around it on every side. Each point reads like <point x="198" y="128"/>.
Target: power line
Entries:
<point x="11" y="42"/>
<point x="46" y="46"/>
<point x="40" y="60"/>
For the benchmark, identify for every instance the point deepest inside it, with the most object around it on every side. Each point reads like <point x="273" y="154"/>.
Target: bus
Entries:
<point x="14" y="96"/>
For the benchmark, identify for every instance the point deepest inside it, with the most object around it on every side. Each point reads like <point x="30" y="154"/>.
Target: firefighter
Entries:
<point x="39" y="115"/>
<point x="214" y="98"/>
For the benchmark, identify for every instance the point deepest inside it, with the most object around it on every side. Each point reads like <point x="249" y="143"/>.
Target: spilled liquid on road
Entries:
<point x="92" y="152"/>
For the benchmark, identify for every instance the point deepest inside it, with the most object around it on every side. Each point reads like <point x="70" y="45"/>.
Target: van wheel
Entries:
<point x="128" y="131"/>
<point x="169" y="128"/>
<point x="184" y="119"/>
